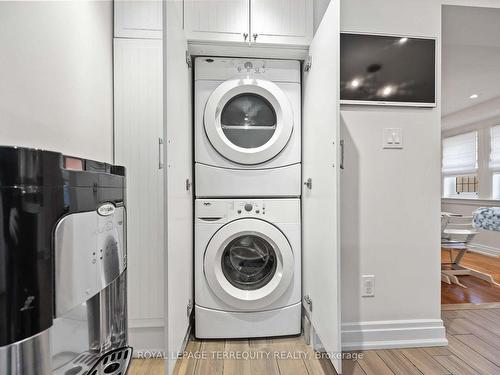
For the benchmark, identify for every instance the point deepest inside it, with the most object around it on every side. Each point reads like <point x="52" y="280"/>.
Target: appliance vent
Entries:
<point x="115" y="362"/>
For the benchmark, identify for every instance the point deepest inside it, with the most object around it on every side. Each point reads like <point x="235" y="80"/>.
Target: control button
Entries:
<point x="239" y="211"/>
<point x="257" y="211"/>
<point x="248" y="207"/>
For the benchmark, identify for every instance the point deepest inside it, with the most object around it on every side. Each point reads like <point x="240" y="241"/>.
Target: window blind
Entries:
<point x="495" y="147"/>
<point x="460" y="154"/>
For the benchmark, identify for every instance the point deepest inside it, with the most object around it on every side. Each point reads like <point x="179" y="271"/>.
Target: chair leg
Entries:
<point x="466" y="271"/>
<point x="460" y="256"/>
<point x="451" y="274"/>
<point x="455" y="280"/>
<point x="445" y="278"/>
<point x="482" y="276"/>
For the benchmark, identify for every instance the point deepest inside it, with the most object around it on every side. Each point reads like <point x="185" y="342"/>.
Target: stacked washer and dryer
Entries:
<point x="247" y="209"/>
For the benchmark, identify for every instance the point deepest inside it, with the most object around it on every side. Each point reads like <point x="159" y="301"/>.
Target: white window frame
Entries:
<point x="449" y="178"/>
<point x="494" y="171"/>
<point x="485" y="173"/>
<point x="495" y="178"/>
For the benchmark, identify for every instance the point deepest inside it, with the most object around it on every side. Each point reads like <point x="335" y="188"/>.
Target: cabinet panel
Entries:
<point x="321" y="158"/>
<point x="137" y="129"/>
<point x="212" y="20"/>
<point x="138" y="19"/>
<point x="179" y="168"/>
<point x="282" y="21"/>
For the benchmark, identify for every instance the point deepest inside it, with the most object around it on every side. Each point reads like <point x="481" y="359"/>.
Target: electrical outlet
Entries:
<point x="368" y="286"/>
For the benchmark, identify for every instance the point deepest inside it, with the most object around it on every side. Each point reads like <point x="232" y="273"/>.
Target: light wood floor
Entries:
<point x="474" y="349"/>
<point x="147" y="367"/>
<point x="477" y="291"/>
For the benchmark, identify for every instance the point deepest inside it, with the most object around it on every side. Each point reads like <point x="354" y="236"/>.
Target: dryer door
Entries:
<point x="248" y="121"/>
<point x="249" y="264"/>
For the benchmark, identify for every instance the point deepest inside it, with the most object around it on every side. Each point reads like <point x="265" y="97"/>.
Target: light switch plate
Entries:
<point x="392" y="138"/>
<point x="368" y="286"/>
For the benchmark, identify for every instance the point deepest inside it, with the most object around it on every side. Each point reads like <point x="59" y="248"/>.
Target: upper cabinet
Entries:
<point x="252" y="22"/>
<point x="215" y="20"/>
<point x="282" y="21"/>
<point x="138" y="19"/>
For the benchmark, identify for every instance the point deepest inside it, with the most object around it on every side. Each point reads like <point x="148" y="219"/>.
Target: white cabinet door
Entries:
<point x="217" y="21"/>
<point x="282" y="21"/>
<point x="138" y="19"/>
<point x="179" y="168"/>
<point x="137" y="130"/>
<point x="320" y="202"/>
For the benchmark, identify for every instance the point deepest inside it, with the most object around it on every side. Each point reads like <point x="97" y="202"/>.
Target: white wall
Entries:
<point x="391" y="200"/>
<point x="319" y="7"/>
<point x="56" y="76"/>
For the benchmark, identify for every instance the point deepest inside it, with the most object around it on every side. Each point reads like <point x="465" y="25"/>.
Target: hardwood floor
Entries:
<point x="278" y="356"/>
<point x="147" y="367"/>
<point x="474" y="349"/>
<point x="483" y="263"/>
<point x="477" y="291"/>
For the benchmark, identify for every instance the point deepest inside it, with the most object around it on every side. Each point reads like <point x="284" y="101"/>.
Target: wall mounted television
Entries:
<point x="387" y="70"/>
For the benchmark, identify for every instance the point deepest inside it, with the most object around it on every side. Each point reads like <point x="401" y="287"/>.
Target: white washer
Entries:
<point x="247" y="127"/>
<point x="247" y="268"/>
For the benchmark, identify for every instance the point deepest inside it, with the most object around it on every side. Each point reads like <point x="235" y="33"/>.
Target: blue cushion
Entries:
<point x="487" y="218"/>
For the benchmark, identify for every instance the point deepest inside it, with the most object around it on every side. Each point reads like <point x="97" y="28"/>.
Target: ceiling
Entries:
<point x="470" y="57"/>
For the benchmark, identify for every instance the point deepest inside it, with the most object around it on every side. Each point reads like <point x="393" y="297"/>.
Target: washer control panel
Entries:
<point x="218" y="211"/>
<point x="250" y="207"/>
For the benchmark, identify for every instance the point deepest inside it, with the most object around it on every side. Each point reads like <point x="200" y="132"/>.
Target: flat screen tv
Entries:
<point x="387" y="70"/>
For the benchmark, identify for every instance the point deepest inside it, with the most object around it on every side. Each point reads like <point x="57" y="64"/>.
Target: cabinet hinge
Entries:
<point x="189" y="60"/>
<point x="309" y="302"/>
<point x="308" y="64"/>
<point x="189" y="308"/>
<point x="309" y="183"/>
<point x="188" y="184"/>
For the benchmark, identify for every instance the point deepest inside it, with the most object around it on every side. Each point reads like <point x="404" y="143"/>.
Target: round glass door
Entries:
<point x="248" y="121"/>
<point x="248" y="264"/>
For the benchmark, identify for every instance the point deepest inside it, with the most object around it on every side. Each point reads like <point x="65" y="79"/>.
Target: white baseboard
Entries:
<point x="393" y="334"/>
<point x="485" y="250"/>
<point x="149" y="340"/>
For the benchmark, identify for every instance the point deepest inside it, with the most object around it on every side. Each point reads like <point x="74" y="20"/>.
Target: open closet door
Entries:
<point x="179" y="177"/>
<point x="320" y="202"/>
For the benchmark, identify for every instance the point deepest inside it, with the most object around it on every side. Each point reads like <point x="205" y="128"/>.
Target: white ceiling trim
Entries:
<point x="472" y="115"/>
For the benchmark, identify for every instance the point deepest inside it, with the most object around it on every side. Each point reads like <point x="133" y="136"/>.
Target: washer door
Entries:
<point x="248" y="121"/>
<point x="248" y="264"/>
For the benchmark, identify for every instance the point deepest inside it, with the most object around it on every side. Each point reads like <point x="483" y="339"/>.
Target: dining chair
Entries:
<point x="456" y="235"/>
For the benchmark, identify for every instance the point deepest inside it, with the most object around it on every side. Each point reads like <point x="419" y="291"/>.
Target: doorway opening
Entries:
<point x="470" y="255"/>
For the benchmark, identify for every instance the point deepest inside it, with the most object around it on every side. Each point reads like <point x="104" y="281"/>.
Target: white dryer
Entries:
<point x="247" y="268"/>
<point x="247" y="127"/>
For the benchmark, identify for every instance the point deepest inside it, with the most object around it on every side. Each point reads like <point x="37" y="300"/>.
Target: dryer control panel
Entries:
<point x="224" y="210"/>
<point x="226" y="68"/>
<point x="250" y="66"/>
